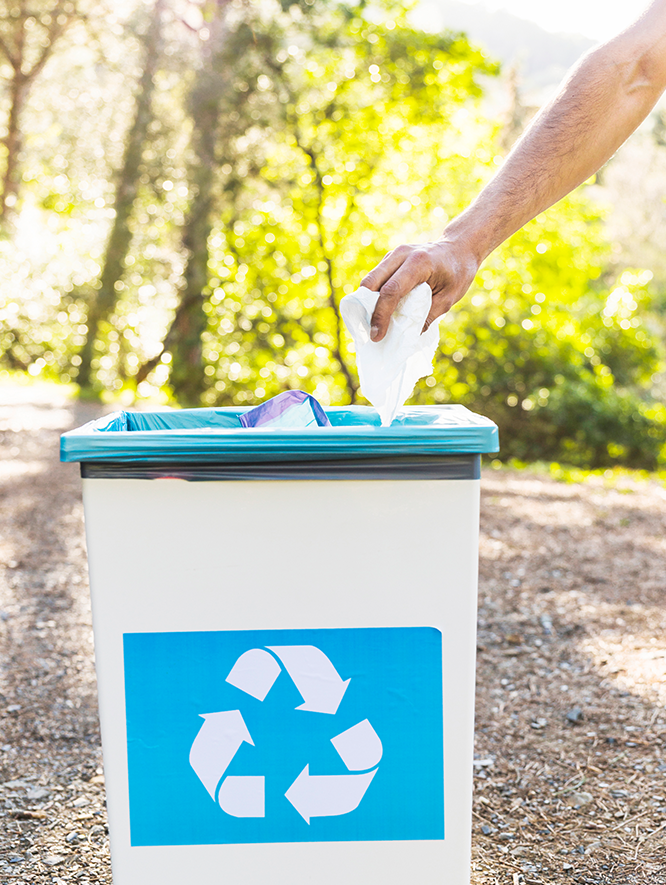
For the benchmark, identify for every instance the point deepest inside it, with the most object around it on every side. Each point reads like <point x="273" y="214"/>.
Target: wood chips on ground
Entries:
<point x="570" y="770"/>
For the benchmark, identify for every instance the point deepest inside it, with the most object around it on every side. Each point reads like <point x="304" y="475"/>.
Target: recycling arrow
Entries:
<point x="359" y="747"/>
<point x="314" y="676"/>
<point x="311" y="671"/>
<point x="327" y="795"/>
<point x="219" y="739"/>
<point x="254" y="672"/>
<point x="242" y="796"/>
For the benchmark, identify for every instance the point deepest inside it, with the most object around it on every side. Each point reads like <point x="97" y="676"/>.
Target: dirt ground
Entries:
<point x="570" y="771"/>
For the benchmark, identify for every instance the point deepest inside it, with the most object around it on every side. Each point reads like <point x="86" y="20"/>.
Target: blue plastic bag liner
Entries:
<point x="293" y="408"/>
<point x="216" y="436"/>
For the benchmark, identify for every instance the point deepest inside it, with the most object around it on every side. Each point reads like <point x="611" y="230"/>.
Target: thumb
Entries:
<point x="381" y="317"/>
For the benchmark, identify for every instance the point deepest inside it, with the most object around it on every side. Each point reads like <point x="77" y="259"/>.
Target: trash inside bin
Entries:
<point x="293" y="408"/>
<point x="284" y="626"/>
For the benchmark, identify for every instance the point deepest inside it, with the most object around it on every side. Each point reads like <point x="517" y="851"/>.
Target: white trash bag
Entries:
<point x="389" y="369"/>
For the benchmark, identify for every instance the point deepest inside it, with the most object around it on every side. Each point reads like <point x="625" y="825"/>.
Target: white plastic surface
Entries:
<point x="168" y="555"/>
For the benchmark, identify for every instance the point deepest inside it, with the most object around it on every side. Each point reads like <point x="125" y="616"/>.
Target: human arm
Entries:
<point x="602" y="101"/>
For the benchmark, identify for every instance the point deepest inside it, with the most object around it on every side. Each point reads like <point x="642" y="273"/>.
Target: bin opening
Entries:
<point x="230" y="418"/>
<point x="216" y="435"/>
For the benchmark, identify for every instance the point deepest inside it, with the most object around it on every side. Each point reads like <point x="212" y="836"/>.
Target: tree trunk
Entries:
<point x="17" y="50"/>
<point x="187" y="372"/>
<point x="205" y="103"/>
<point x="18" y="94"/>
<point x="104" y="300"/>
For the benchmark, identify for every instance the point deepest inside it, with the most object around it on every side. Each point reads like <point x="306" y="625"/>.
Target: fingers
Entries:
<point x="385" y="269"/>
<point x="438" y="308"/>
<point x="430" y="319"/>
<point x="448" y="267"/>
<point x="414" y="269"/>
<point x="450" y="293"/>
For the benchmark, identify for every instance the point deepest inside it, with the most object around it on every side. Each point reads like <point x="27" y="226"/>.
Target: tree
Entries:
<point x="29" y="30"/>
<point x="204" y="103"/>
<point x="353" y="96"/>
<point x="103" y="299"/>
<point x="237" y="44"/>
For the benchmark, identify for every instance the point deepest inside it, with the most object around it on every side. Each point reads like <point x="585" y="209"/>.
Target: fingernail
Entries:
<point x="374" y="331"/>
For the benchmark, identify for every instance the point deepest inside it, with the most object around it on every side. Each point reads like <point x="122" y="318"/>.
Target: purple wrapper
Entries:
<point x="286" y="410"/>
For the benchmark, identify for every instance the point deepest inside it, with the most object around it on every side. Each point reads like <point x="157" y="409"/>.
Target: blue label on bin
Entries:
<point x="285" y="735"/>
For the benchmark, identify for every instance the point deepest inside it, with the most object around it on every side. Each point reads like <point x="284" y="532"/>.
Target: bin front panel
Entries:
<point x="206" y="571"/>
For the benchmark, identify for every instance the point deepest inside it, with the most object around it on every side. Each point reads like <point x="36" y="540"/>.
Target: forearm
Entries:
<point x="602" y="102"/>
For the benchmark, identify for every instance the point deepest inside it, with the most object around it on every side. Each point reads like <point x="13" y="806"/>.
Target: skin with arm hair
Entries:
<point x="602" y="101"/>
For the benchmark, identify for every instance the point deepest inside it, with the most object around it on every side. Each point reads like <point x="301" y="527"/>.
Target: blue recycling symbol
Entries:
<point x="241" y="736"/>
<point x="322" y="689"/>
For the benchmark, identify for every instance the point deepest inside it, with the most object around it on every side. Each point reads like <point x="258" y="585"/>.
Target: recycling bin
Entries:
<point x="285" y="635"/>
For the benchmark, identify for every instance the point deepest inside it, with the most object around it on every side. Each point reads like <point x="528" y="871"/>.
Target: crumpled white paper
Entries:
<point x="389" y="369"/>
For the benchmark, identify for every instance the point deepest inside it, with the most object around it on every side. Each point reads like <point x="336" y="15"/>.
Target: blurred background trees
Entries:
<point x="29" y="33"/>
<point x="190" y="187"/>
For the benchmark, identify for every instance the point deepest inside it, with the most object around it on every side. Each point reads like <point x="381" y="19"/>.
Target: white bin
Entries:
<point x="285" y="629"/>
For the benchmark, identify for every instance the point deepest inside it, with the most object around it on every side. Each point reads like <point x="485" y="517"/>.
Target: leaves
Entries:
<point x="330" y="133"/>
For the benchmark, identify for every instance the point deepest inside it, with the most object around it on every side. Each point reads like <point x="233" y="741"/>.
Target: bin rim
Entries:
<point x="215" y="435"/>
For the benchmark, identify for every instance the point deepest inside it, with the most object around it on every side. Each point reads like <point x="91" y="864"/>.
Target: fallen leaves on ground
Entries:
<point x="570" y="686"/>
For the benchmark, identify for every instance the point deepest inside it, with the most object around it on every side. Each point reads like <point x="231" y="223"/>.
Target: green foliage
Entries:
<point x="357" y="158"/>
<point x="336" y="131"/>
<point x="622" y="479"/>
<point x="563" y="363"/>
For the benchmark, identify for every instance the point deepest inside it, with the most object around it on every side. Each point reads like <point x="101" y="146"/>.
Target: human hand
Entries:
<point x="448" y="266"/>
